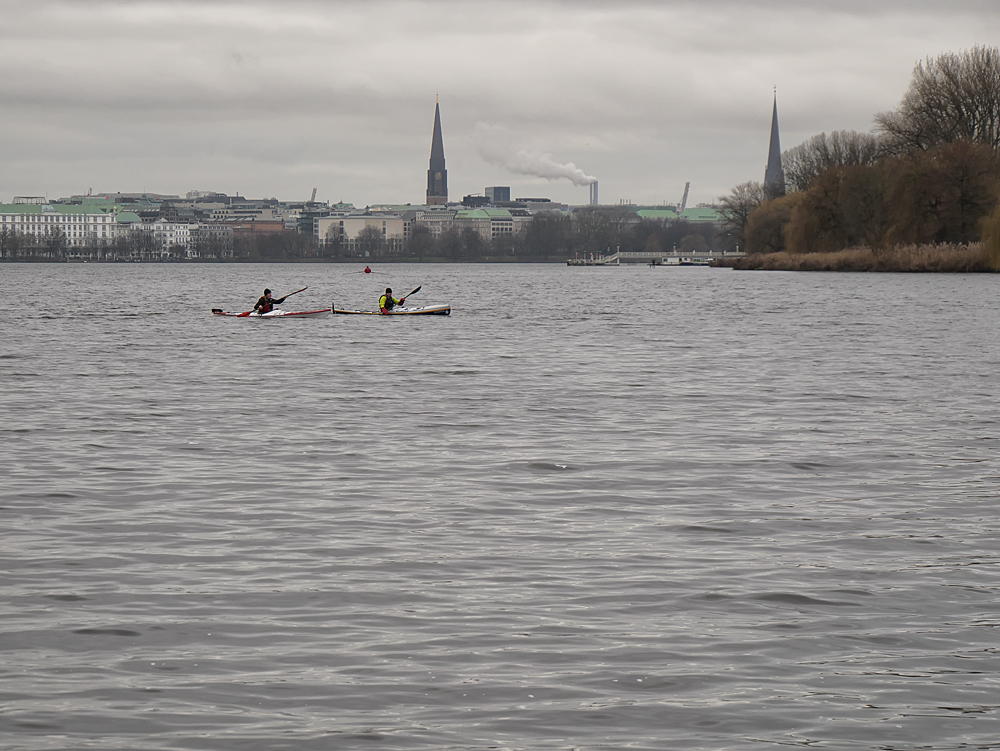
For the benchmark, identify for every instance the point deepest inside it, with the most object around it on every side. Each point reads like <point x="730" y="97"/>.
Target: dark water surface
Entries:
<point x="594" y="509"/>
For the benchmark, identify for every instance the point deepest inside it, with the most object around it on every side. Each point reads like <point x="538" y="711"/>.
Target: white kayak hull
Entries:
<point x="426" y="310"/>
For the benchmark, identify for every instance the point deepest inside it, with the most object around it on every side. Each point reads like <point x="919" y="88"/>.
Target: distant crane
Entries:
<point x="313" y="199"/>
<point x="684" y="200"/>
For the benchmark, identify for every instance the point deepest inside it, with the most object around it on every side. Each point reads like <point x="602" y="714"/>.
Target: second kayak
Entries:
<point x="427" y="310"/>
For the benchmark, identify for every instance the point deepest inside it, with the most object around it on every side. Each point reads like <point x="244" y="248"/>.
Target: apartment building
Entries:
<point x="393" y="228"/>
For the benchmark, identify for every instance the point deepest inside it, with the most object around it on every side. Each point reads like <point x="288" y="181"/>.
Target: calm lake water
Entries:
<point x="594" y="509"/>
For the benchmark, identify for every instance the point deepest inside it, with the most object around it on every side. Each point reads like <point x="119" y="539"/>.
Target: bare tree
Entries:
<point x="450" y="243"/>
<point x="141" y="245"/>
<point x="953" y="97"/>
<point x="736" y="209"/>
<point x="473" y="245"/>
<point x="370" y="241"/>
<point x="11" y="243"/>
<point x="765" y="230"/>
<point x="333" y="243"/>
<point x="508" y="245"/>
<point x="842" y="148"/>
<point x="844" y="207"/>
<point x="56" y="243"/>
<point x="600" y="229"/>
<point x="420" y="242"/>
<point x="548" y="233"/>
<point x="694" y="244"/>
<point x="942" y="195"/>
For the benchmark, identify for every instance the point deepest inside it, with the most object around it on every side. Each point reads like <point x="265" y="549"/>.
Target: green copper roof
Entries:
<point x="482" y="214"/>
<point x="701" y="215"/>
<point x="660" y="214"/>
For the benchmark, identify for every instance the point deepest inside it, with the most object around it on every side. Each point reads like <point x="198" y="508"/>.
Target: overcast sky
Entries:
<point x="275" y="98"/>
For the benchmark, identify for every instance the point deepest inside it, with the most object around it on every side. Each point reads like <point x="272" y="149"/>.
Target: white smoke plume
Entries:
<point x="496" y="146"/>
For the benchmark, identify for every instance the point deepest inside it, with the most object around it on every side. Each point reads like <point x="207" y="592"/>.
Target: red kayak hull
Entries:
<point x="275" y="314"/>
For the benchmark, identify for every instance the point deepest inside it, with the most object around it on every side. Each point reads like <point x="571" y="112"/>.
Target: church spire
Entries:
<point x="437" y="175"/>
<point x="774" y="175"/>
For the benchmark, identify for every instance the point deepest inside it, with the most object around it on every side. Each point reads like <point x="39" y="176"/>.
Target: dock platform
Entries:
<point x="654" y="259"/>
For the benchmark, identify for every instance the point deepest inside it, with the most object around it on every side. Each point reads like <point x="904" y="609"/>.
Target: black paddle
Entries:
<point x="412" y="293"/>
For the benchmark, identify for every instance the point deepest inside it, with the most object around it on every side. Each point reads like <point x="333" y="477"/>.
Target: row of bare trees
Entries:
<point x="547" y="237"/>
<point x="929" y="173"/>
<point x="955" y="97"/>
<point x="143" y="245"/>
<point x="940" y="195"/>
<point x="133" y="245"/>
<point x="55" y="245"/>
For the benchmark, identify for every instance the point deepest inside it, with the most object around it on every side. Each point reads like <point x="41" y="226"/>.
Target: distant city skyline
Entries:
<point x="264" y="98"/>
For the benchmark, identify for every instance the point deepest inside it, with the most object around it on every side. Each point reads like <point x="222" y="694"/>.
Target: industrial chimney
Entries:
<point x="593" y="193"/>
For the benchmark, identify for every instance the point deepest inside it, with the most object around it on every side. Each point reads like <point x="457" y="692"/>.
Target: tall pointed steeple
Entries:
<point x="437" y="175"/>
<point x="774" y="175"/>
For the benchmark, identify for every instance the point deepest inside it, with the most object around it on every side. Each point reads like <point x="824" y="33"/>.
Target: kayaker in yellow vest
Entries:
<point x="265" y="304"/>
<point x="387" y="302"/>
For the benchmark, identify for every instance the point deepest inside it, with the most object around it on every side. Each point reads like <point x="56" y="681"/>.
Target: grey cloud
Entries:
<point x="642" y="95"/>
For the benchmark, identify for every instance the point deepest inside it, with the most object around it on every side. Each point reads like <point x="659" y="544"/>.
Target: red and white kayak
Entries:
<point x="427" y="310"/>
<point x="275" y="313"/>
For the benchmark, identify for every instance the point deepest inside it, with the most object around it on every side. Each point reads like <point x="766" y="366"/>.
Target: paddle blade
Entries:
<point x="415" y="291"/>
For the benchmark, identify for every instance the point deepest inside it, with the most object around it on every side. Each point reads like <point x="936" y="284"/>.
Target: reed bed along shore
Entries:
<point x="944" y="258"/>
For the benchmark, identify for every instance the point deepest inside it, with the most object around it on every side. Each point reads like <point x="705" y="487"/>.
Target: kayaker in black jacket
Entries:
<point x="265" y="304"/>
<point x="387" y="302"/>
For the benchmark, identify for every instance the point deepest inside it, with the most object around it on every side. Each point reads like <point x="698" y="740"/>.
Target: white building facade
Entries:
<point x="393" y="228"/>
<point x="80" y="225"/>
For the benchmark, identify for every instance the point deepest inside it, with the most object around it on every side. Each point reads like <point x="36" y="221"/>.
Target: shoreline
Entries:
<point x="226" y="261"/>
<point x="942" y="259"/>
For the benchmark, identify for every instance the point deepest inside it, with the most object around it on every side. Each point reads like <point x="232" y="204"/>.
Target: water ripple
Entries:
<point x="759" y="515"/>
